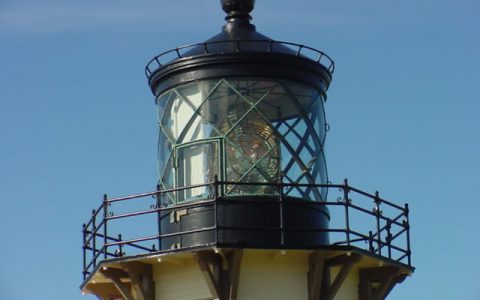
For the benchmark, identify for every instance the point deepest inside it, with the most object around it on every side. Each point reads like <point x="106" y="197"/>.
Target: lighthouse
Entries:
<point x="243" y="208"/>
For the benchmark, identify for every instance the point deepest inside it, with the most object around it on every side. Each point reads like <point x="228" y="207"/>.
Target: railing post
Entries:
<point x="320" y="57"/>
<point x="282" y="210"/>
<point x="215" y="206"/>
<point x="120" y="250"/>
<point x="346" y="203"/>
<point x="105" y="219"/>
<point x="300" y="47"/>
<point x="370" y="241"/>
<point x="406" y="223"/>
<point x="389" y="238"/>
<point x="84" y="231"/>
<point x="94" y="238"/>
<point x="159" y="218"/>
<point x="215" y="187"/>
<point x="377" y="214"/>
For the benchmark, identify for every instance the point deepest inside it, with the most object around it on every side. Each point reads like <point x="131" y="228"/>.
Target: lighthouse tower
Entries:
<point x="243" y="209"/>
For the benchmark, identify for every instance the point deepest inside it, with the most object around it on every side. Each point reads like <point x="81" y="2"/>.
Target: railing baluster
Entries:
<point x="370" y="241"/>
<point x="84" y="248"/>
<point x="320" y="57"/>
<point x="389" y="239"/>
<point x="159" y="217"/>
<point x="120" y="250"/>
<point x="407" y="227"/>
<point x="300" y="47"/>
<point x="105" y="219"/>
<point x="215" y="206"/>
<point x="346" y="202"/>
<point x="377" y="214"/>
<point x="94" y="237"/>
<point x="282" y="211"/>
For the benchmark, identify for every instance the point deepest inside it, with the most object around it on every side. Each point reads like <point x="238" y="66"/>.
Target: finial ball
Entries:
<point x="230" y="6"/>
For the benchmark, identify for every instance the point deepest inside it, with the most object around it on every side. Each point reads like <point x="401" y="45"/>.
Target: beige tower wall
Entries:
<point x="264" y="274"/>
<point x="349" y="288"/>
<point x="179" y="279"/>
<point x="267" y="275"/>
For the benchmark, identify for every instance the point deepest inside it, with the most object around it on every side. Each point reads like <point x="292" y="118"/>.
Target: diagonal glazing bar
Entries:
<point x="252" y="107"/>
<point x="309" y="124"/>
<point x="303" y="143"/>
<point x="196" y="111"/>
<point x="254" y="166"/>
<point x="289" y="148"/>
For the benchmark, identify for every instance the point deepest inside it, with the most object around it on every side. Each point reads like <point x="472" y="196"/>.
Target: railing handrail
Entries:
<point x="154" y="64"/>
<point x="97" y="241"/>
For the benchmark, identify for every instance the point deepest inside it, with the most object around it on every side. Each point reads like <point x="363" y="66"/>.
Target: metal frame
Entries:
<point x="307" y="169"/>
<point x="391" y="232"/>
<point x="219" y="144"/>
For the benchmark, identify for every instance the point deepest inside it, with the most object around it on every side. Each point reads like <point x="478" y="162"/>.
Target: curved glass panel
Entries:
<point x="245" y="130"/>
<point x="197" y="164"/>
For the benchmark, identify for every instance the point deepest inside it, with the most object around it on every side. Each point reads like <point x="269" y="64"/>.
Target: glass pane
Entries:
<point x="278" y="105"/>
<point x="236" y="165"/>
<point x="164" y="151"/>
<point x="223" y="108"/>
<point x="253" y="176"/>
<point x="196" y="92"/>
<point x="267" y="127"/>
<point x="198" y="130"/>
<point x="197" y="164"/>
<point x="301" y="94"/>
<point x="168" y="199"/>
<point x="177" y="115"/>
<point x="162" y="103"/>
<point x="317" y="118"/>
<point x="253" y="143"/>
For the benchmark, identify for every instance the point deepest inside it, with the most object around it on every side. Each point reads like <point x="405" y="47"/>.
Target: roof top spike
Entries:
<point x="237" y="9"/>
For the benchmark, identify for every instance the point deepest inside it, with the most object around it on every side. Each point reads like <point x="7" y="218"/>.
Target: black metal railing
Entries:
<point x="357" y="219"/>
<point x="269" y="46"/>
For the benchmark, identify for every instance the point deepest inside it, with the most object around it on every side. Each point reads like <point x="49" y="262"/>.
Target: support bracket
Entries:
<point x="141" y="276"/>
<point x="221" y="271"/>
<point x="116" y="275"/>
<point x="320" y="284"/>
<point x="141" y="286"/>
<point x="376" y="283"/>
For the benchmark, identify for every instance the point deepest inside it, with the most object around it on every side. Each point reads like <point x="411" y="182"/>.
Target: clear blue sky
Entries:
<point x="77" y="120"/>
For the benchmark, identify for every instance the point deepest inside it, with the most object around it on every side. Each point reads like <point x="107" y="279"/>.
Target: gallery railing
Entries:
<point x="239" y="46"/>
<point x="129" y="226"/>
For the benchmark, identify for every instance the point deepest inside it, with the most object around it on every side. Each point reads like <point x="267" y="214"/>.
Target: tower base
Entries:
<point x="248" y="274"/>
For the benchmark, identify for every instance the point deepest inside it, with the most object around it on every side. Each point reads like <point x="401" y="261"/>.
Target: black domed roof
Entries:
<point x="239" y="50"/>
